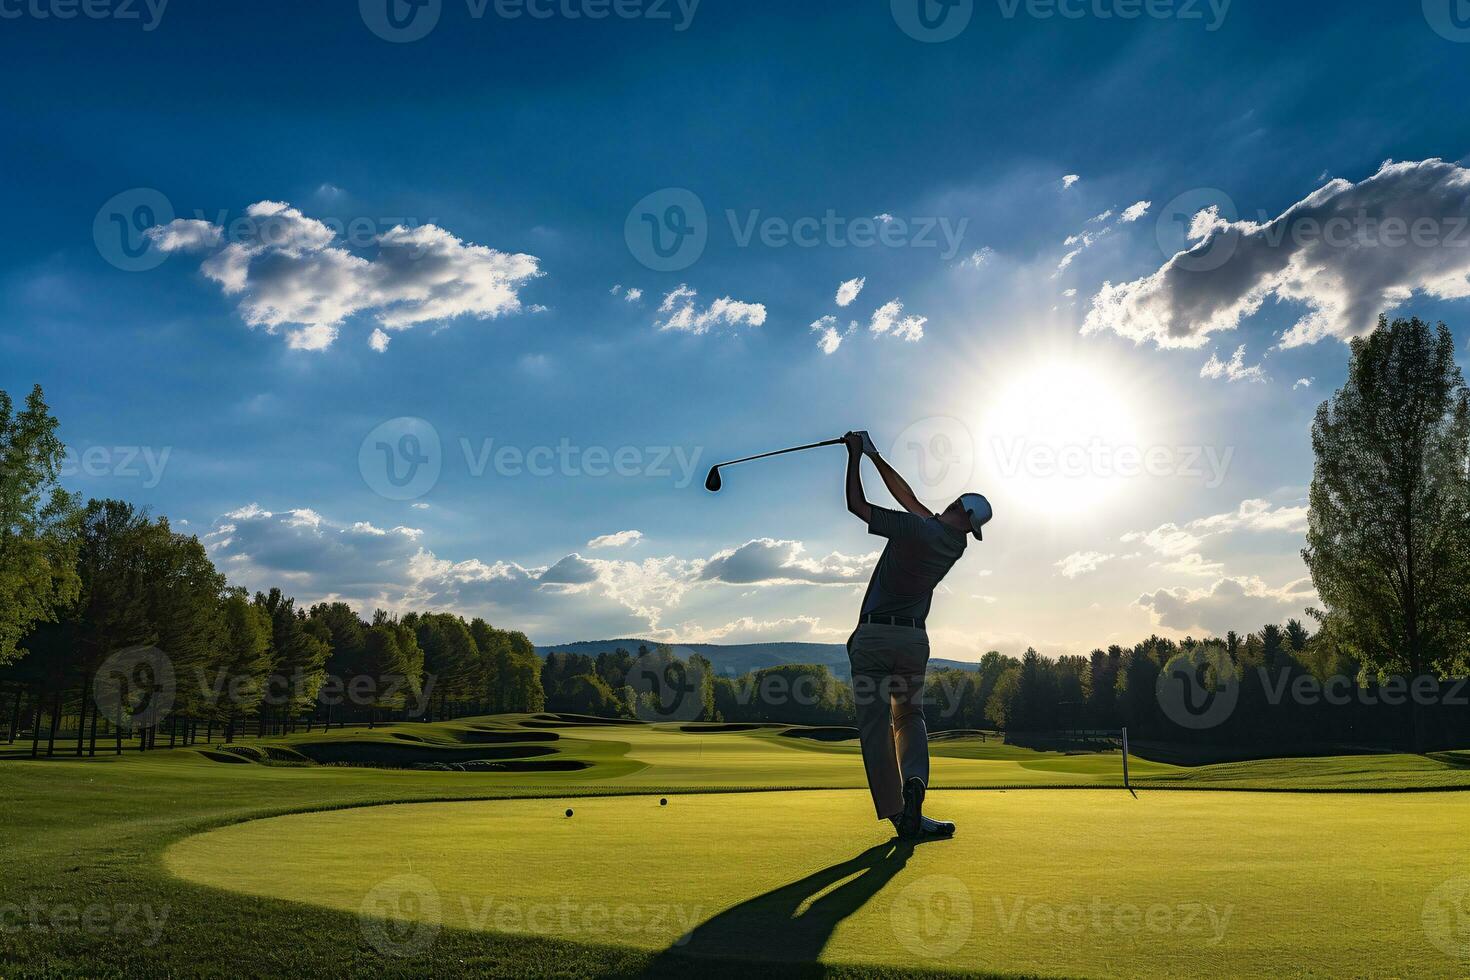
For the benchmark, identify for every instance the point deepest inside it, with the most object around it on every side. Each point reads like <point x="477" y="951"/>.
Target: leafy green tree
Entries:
<point x="298" y="658"/>
<point x="346" y="633"/>
<point x="183" y="593"/>
<point x="39" y="524"/>
<point x="451" y="659"/>
<point x="1297" y="635"/>
<point x="244" y="659"/>
<point x="1388" y="543"/>
<point x="992" y="666"/>
<point x="522" y="682"/>
<point x="587" y="694"/>
<point x="1004" y="706"/>
<point x="494" y="648"/>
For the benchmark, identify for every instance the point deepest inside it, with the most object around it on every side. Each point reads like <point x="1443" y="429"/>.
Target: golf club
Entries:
<point x="712" y="482"/>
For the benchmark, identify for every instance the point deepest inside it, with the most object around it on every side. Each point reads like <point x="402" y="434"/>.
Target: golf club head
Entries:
<point x="712" y="482"/>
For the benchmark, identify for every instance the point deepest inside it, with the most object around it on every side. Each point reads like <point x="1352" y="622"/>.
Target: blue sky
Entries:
<point x="513" y="154"/>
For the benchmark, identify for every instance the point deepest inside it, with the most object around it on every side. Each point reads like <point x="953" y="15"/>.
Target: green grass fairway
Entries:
<point x="1039" y="882"/>
<point x="186" y="834"/>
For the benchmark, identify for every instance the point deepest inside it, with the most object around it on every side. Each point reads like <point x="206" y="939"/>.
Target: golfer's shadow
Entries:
<point x="793" y="923"/>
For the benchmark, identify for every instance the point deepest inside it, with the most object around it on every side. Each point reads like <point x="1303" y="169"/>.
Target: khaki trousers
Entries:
<point x="888" y="665"/>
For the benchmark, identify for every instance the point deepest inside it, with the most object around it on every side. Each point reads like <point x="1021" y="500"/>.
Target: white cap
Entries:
<point x="979" y="510"/>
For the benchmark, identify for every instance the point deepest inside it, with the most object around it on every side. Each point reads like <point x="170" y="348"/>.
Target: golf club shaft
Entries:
<point x="780" y="452"/>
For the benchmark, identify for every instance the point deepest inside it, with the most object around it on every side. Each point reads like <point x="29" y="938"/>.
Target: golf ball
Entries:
<point x="569" y="811"/>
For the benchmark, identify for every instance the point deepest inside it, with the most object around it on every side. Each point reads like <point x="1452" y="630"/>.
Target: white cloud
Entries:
<point x="747" y="629"/>
<point x="300" y="545"/>
<point x="1302" y="383"/>
<point x="1169" y="540"/>
<point x="633" y="295"/>
<point x="1095" y="219"/>
<point x="683" y="315"/>
<point x="619" y="539"/>
<point x="185" y="235"/>
<point x="848" y="291"/>
<point x="286" y="271"/>
<point x="1254" y="515"/>
<point x="1078" y="244"/>
<point x="1192" y="564"/>
<point x="1135" y="211"/>
<point x="1233" y="370"/>
<point x="885" y="217"/>
<point x="889" y="318"/>
<point x="1069" y="180"/>
<point x="1322" y="253"/>
<point x="830" y="337"/>
<point x="1181" y="545"/>
<point x="979" y="258"/>
<point x="767" y="561"/>
<point x="1243" y="603"/>
<point x="379" y="340"/>
<point x="1082" y="562"/>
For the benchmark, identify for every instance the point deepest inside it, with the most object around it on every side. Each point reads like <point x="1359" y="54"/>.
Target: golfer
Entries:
<point x="889" y="649"/>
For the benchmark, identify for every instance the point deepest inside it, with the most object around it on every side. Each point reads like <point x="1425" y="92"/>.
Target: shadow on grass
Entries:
<point x="791" y="924"/>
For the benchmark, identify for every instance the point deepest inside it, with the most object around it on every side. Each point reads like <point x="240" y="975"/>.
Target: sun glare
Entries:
<point x="1061" y="439"/>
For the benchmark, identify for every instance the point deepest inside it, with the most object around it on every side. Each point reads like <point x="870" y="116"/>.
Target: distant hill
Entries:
<point x="734" y="659"/>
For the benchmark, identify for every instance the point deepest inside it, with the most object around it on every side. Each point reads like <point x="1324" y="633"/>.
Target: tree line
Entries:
<point x="111" y="621"/>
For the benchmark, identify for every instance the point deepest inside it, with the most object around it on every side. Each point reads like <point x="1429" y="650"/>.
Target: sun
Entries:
<point x="1061" y="439"/>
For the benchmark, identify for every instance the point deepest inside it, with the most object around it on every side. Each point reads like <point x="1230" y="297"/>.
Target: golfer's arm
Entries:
<point x="900" y="489"/>
<point x="857" y="502"/>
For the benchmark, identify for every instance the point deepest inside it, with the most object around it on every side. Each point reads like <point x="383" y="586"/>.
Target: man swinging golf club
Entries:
<point x="889" y="650"/>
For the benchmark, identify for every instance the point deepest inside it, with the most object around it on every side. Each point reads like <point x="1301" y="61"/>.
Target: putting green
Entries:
<point x="1077" y="882"/>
